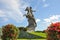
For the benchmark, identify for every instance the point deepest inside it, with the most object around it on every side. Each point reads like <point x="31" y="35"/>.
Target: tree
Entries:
<point x="10" y="32"/>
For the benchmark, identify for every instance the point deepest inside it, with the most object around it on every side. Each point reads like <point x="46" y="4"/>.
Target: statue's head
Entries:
<point x="30" y="7"/>
<point x="27" y="8"/>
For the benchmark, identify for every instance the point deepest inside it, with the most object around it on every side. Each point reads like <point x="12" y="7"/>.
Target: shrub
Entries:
<point x="53" y="31"/>
<point x="22" y="29"/>
<point x="9" y="32"/>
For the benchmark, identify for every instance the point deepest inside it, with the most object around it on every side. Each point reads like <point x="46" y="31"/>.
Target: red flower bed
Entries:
<point x="53" y="31"/>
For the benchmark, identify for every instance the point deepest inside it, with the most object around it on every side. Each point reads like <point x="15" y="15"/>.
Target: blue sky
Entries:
<point x="12" y="11"/>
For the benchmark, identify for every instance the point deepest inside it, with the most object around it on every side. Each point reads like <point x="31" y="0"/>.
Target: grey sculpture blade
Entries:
<point x="31" y="20"/>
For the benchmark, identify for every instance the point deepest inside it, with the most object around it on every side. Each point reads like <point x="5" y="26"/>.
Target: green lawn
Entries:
<point x="39" y="34"/>
<point x="31" y="39"/>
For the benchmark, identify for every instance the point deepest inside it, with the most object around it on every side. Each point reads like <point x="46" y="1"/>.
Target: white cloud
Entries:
<point x="45" y="5"/>
<point x="51" y="19"/>
<point x="12" y="9"/>
<point x="3" y="17"/>
<point x="38" y="20"/>
<point x="43" y="0"/>
<point x="47" y="20"/>
<point x="2" y="14"/>
<point x="54" y="18"/>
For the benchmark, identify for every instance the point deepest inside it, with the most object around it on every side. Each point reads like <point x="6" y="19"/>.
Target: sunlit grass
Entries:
<point x="39" y="34"/>
<point x="31" y="39"/>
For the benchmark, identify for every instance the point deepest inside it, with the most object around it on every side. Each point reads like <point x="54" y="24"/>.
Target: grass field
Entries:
<point x="31" y="39"/>
<point x="39" y="34"/>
